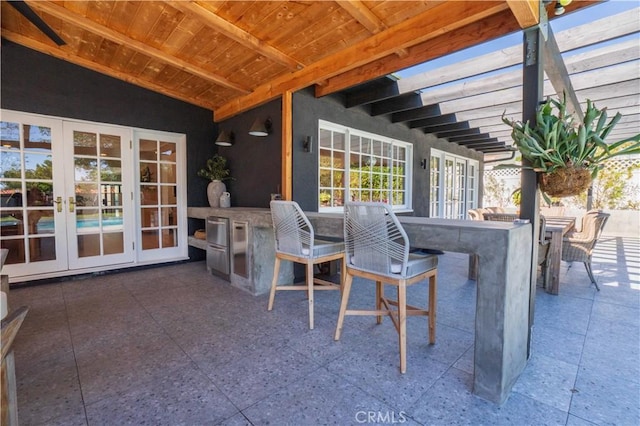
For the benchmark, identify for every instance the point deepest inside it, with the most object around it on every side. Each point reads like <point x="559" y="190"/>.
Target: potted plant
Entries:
<point x="216" y="171"/>
<point x="566" y="153"/>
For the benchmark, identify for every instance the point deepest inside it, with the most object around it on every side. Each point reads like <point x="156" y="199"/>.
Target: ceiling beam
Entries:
<point x="468" y="35"/>
<point x="527" y="12"/>
<point x="235" y="33"/>
<point x="56" y="52"/>
<point x="446" y="127"/>
<point x="433" y="121"/>
<point x="400" y="103"/>
<point x="361" y="13"/>
<point x="374" y="91"/>
<point x="441" y="19"/>
<point x="416" y="114"/>
<point x="109" y="34"/>
<point x="594" y="32"/>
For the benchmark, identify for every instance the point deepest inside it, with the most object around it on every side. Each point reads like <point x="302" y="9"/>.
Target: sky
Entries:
<point x="582" y="16"/>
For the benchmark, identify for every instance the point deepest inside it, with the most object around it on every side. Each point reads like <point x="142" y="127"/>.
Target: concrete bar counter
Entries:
<point x="502" y="305"/>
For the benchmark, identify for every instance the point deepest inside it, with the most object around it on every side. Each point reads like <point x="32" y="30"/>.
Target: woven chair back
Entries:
<point x="374" y="238"/>
<point x="293" y="231"/>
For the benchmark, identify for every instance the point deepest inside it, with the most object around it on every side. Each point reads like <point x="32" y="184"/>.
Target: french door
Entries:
<point x="65" y="195"/>
<point x="453" y="185"/>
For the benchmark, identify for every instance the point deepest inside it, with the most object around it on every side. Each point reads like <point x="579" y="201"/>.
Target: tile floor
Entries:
<point x="175" y="346"/>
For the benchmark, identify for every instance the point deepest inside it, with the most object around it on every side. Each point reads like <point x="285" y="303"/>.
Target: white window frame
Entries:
<point x="438" y="202"/>
<point x="348" y="132"/>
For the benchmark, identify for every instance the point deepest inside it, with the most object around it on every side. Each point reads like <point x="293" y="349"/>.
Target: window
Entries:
<point x="454" y="185"/>
<point x="360" y="166"/>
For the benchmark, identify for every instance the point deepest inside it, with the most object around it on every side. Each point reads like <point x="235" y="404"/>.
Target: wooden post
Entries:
<point x="286" y="180"/>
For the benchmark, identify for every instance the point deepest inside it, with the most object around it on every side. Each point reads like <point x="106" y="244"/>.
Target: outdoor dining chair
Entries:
<point x="295" y="241"/>
<point x="578" y="246"/>
<point x="377" y="249"/>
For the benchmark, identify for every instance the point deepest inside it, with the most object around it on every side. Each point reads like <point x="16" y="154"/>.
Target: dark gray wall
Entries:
<point x="38" y="83"/>
<point x="254" y="162"/>
<point x="306" y="113"/>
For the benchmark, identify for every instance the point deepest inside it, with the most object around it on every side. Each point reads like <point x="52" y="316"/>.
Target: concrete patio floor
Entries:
<point x="174" y="345"/>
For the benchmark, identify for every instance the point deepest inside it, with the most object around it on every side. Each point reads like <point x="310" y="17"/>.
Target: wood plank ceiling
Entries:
<point x="230" y="56"/>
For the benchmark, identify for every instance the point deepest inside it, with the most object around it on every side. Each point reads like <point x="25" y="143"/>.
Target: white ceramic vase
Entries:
<point x="214" y="191"/>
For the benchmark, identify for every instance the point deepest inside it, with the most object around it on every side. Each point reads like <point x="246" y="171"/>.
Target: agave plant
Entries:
<point x="567" y="153"/>
<point x="557" y="141"/>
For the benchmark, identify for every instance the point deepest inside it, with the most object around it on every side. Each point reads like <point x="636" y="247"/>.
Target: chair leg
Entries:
<point x="348" y="280"/>
<point x="310" y="292"/>
<point x="379" y="296"/>
<point x="433" y="291"/>
<point x="274" y="283"/>
<point x="590" y="272"/>
<point x="402" y="325"/>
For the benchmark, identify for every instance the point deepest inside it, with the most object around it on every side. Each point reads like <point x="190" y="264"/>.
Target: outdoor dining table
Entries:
<point x="556" y="228"/>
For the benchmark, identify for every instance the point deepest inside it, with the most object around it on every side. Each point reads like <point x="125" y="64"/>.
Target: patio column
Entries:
<point x="532" y="95"/>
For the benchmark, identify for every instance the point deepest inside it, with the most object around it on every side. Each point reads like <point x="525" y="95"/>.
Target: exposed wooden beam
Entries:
<point x="375" y="91"/>
<point x="594" y="32"/>
<point x="473" y="137"/>
<point x="416" y="114"/>
<point x="476" y="32"/>
<point x="286" y="180"/>
<point x="235" y="33"/>
<point x="400" y="103"/>
<point x="56" y="52"/>
<point x="361" y="13"/>
<point x="447" y="127"/>
<point x="527" y="12"/>
<point x="433" y="121"/>
<point x="459" y="133"/>
<point x="109" y="34"/>
<point x="442" y="19"/>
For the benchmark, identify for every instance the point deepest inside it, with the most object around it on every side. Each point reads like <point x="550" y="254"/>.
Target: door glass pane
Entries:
<point x="111" y="170"/>
<point x="85" y="143"/>
<point x="11" y="164"/>
<point x="148" y="195"/>
<point x="112" y="219"/>
<point x="168" y="194"/>
<point x="113" y="242"/>
<point x="40" y="222"/>
<point x="111" y="195"/>
<point x="37" y="166"/>
<point x="150" y="239"/>
<point x="86" y="194"/>
<point x="169" y="238"/>
<point x="37" y="138"/>
<point x="110" y="146"/>
<point x="149" y="218"/>
<point x="41" y="249"/>
<point x="12" y="223"/>
<point x="148" y="150"/>
<point x="168" y="173"/>
<point x="10" y="134"/>
<point x="168" y="151"/>
<point x="88" y="245"/>
<point x="169" y="215"/>
<point x="86" y="169"/>
<point x="87" y="220"/>
<point x="148" y="172"/>
<point x="16" y="251"/>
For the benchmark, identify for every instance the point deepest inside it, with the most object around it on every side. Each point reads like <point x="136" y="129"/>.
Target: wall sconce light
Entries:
<point x="307" y="144"/>
<point x="559" y="7"/>
<point x="225" y="139"/>
<point x="260" y="128"/>
<point x="423" y="163"/>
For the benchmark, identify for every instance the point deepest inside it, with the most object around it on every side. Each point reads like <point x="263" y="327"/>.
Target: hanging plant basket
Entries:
<point x="565" y="182"/>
